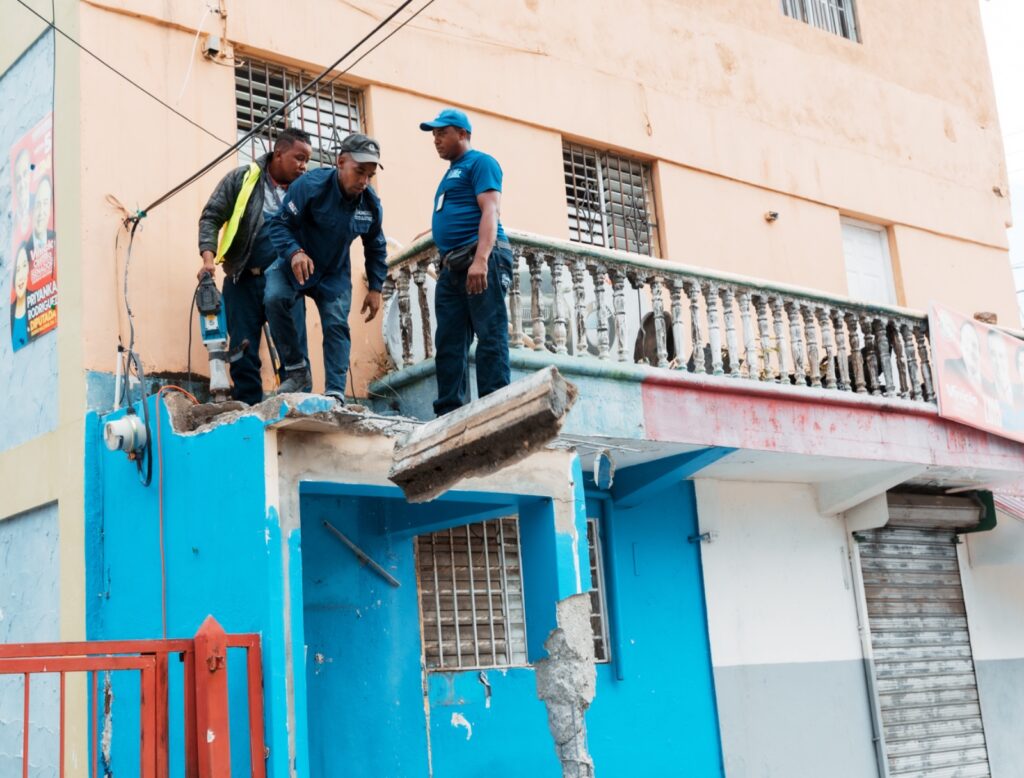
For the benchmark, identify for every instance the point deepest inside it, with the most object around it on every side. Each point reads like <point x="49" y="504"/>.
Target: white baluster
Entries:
<point x="749" y="338"/>
<point x="728" y="307"/>
<point x="714" y="326"/>
<point x="658" y="304"/>
<point x="515" y="305"/>
<point x="696" y="336"/>
<point x="619" y="302"/>
<point x="536" y="265"/>
<point x="599" y="274"/>
<point x="678" y="326"/>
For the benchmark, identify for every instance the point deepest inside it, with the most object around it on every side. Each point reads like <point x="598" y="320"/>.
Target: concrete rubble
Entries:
<point x="566" y="682"/>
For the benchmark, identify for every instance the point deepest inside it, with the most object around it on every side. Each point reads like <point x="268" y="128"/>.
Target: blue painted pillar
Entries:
<point x="555" y="558"/>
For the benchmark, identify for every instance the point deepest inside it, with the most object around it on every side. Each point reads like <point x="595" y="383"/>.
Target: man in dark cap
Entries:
<point x="476" y="266"/>
<point x="322" y="214"/>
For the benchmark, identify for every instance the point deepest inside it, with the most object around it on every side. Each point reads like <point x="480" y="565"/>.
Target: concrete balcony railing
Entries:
<point x="592" y="303"/>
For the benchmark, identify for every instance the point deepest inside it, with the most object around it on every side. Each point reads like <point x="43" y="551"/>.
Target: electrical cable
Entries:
<point x="192" y="56"/>
<point x="110" y="67"/>
<point x="280" y="109"/>
<point x="191" y="311"/>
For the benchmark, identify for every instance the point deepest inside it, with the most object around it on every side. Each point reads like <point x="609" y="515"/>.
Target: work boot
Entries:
<point x="296" y="381"/>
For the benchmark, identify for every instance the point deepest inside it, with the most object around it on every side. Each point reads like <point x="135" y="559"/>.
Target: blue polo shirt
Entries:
<point x="456" y="219"/>
<point x="317" y="218"/>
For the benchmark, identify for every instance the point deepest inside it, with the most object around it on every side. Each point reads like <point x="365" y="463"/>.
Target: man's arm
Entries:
<point x="375" y="252"/>
<point x="215" y="214"/>
<point x="490" y="207"/>
<point x="285" y="233"/>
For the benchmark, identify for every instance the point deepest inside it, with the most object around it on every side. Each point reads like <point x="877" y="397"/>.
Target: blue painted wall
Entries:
<point x="660" y="719"/>
<point x="365" y="690"/>
<point x="29" y="612"/>
<point x="363" y="670"/>
<point x="28" y="376"/>
<point x="223" y="557"/>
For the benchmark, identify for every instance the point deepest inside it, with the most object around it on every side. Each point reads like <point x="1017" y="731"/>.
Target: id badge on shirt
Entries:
<point x="440" y="202"/>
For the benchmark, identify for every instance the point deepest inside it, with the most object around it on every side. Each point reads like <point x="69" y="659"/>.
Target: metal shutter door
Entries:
<point x="924" y="671"/>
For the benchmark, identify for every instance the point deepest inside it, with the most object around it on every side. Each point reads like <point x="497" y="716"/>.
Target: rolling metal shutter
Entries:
<point x="921" y="652"/>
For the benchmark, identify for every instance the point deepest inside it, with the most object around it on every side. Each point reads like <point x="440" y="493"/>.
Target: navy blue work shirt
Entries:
<point x="457" y="214"/>
<point x="318" y="219"/>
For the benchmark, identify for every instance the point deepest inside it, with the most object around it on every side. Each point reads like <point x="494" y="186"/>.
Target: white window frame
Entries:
<point x="495" y="544"/>
<point x="329" y="112"/>
<point x="890" y="279"/>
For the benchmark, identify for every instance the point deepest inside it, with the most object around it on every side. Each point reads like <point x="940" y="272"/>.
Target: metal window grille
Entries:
<point x="329" y="112"/>
<point x="835" y="16"/>
<point x="598" y="604"/>
<point x="610" y="200"/>
<point x="471" y="596"/>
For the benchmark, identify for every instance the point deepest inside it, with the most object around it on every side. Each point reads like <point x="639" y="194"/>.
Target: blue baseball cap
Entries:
<point x="449" y="117"/>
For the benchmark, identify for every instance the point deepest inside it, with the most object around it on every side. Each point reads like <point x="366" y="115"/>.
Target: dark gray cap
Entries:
<point x="361" y="148"/>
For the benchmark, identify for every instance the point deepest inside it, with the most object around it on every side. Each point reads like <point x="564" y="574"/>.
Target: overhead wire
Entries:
<point x="114" y="70"/>
<point x="280" y="109"/>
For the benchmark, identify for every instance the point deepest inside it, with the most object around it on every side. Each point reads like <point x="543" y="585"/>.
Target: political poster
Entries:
<point x="979" y="373"/>
<point x="33" y="242"/>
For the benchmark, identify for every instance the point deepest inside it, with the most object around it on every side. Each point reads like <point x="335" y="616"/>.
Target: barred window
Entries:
<point x="610" y="199"/>
<point x="835" y="16"/>
<point x="328" y="112"/>
<point x="471" y="596"/>
<point x="598" y="605"/>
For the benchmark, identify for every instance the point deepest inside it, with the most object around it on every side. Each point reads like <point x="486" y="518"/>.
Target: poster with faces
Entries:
<point x="33" y="247"/>
<point x="979" y="372"/>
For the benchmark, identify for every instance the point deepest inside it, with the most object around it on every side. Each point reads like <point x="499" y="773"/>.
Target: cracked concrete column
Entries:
<point x="566" y="682"/>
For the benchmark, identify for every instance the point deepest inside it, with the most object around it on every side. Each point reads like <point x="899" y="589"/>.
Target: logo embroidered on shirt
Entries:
<point x="292" y="208"/>
<point x="456" y="173"/>
<point x="365" y="216"/>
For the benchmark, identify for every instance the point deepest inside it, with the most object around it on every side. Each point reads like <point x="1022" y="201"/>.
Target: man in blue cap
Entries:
<point x="322" y="214"/>
<point x="476" y="266"/>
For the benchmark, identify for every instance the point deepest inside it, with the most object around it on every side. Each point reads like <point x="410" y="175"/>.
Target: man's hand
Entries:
<point x="371" y="304"/>
<point x="208" y="265"/>
<point x="302" y="266"/>
<point x="476" y="276"/>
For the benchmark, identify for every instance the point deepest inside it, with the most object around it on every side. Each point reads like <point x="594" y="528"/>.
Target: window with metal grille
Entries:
<point x="836" y="16"/>
<point x="328" y="112"/>
<point x="471" y="596"/>
<point x="610" y="200"/>
<point x="598" y="605"/>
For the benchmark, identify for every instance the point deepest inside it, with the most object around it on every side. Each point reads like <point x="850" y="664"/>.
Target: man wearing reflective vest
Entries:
<point x="242" y="204"/>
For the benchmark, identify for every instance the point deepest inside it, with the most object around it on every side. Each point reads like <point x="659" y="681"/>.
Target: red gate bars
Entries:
<point x="205" y="695"/>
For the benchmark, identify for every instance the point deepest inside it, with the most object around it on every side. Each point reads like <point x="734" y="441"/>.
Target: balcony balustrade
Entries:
<point x="611" y="306"/>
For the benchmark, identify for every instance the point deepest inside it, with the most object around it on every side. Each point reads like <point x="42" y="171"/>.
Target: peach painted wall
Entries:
<point x="743" y="110"/>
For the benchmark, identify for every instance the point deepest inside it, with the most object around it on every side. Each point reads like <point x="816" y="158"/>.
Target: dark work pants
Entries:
<point x="280" y="297"/>
<point x="460" y="317"/>
<point x="245" y="313"/>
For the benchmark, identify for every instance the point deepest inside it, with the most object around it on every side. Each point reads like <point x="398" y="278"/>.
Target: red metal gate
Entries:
<point x="204" y="693"/>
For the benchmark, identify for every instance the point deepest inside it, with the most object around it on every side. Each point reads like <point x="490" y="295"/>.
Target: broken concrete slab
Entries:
<point x="567" y="683"/>
<point x="482" y="437"/>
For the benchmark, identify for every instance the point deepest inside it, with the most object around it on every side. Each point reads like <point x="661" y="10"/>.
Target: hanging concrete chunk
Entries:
<point x="484" y="436"/>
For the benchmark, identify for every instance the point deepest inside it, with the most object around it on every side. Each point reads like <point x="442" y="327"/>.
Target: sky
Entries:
<point x="1003" y="21"/>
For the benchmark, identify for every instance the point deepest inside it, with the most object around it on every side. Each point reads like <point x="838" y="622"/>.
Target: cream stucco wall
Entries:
<point x="741" y="109"/>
